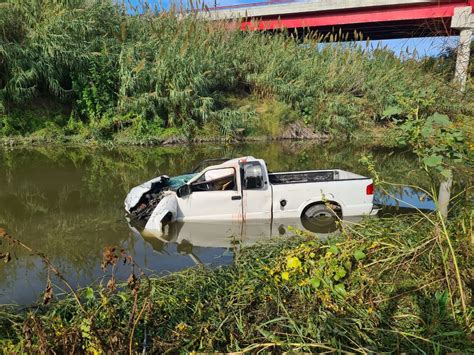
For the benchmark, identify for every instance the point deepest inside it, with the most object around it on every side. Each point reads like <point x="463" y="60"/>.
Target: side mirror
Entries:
<point x="183" y="191"/>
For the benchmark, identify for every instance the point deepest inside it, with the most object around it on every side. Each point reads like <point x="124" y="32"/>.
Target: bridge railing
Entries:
<point x="251" y="4"/>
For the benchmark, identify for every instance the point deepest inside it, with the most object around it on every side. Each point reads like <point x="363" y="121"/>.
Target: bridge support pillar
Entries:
<point x="462" y="58"/>
<point x="463" y="20"/>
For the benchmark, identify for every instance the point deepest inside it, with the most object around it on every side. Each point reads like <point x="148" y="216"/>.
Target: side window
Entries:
<point x="252" y="176"/>
<point x="216" y="180"/>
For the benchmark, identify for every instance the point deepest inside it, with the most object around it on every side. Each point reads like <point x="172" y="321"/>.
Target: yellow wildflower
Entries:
<point x="293" y="263"/>
<point x="93" y="350"/>
<point x="285" y="275"/>
<point x="374" y="244"/>
<point x="181" y="326"/>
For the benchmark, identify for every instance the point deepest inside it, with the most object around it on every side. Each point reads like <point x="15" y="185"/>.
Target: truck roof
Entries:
<point x="232" y="162"/>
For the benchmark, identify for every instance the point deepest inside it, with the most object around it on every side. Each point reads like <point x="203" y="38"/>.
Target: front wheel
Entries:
<point x="319" y="219"/>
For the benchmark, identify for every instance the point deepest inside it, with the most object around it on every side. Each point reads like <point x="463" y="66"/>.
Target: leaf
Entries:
<point x="268" y="335"/>
<point x="139" y="66"/>
<point x="89" y="294"/>
<point x="427" y="131"/>
<point x="340" y="273"/>
<point x="433" y="160"/>
<point x="359" y="254"/>
<point x="340" y="289"/>
<point x="315" y="282"/>
<point x="123" y="296"/>
<point x="333" y="249"/>
<point x="440" y="119"/>
<point x="391" y="111"/>
<point x="446" y="173"/>
<point x="442" y="298"/>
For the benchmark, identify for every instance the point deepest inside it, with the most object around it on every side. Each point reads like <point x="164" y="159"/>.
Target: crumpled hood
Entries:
<point x="137" y="192"/>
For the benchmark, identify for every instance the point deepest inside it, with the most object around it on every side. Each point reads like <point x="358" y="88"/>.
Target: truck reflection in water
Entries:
<point x="188" y="235"/>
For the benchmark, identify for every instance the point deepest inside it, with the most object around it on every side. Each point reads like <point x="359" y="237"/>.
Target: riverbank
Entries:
<point x="48" y="126"/>
<point x="381" y="286"/>
<point x="271" y="121"/>
<point x="376" y="135"/>
<point x="294" y="132"/>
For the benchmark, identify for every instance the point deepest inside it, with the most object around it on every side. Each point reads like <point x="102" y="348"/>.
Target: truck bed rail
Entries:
<point x="300" y="177"/>
<point x="295" y="177"/>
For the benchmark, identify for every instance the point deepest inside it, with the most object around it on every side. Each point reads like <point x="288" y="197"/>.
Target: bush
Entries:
<point x="272" y="118"/>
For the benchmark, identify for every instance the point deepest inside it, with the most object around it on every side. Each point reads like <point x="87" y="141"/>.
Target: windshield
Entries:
<point x="178" y="181"/>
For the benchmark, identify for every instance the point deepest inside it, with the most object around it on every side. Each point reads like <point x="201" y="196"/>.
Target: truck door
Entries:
<point x="256" y="191"/>
<point x="214" y="196"/>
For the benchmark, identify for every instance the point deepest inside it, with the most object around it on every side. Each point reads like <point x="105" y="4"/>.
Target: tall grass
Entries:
<point x="141" y="73"/>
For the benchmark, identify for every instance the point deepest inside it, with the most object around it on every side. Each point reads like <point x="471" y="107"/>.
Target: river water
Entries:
<point x="68" y="204"/>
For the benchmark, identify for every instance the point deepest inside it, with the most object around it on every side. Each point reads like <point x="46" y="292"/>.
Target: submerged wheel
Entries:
<point x="320" y="219"/>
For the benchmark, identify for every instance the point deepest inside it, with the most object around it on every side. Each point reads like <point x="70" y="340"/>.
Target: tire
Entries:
<point x="319" y="219"/>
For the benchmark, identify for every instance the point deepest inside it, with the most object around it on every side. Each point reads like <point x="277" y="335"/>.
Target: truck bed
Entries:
<point x="295" y="177"/>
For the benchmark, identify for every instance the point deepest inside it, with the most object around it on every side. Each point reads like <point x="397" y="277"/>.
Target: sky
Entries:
<point x="428" y="46"/>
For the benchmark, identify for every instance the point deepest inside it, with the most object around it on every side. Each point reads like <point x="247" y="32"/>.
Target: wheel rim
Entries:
<point x="319" y="221"/>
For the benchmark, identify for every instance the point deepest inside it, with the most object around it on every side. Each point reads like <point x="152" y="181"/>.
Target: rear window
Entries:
<point x="252" y="176"/>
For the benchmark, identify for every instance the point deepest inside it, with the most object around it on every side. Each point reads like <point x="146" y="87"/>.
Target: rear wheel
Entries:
<point x="320" y="219"/>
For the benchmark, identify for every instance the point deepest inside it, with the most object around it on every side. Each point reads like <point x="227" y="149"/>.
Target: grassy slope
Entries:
<point x="113" y="76"/>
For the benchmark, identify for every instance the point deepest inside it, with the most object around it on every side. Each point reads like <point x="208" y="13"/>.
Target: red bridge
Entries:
<point x="377" y="19"/>
<point x="374" y="19"/>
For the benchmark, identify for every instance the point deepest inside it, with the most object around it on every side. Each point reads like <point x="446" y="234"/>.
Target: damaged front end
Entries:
<point x="153" y="203"/>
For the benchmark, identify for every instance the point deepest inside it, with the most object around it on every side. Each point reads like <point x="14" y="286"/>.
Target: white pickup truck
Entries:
<point x="242" y="190"/>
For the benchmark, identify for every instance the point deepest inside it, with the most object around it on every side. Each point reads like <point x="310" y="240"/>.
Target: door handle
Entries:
<point x="236" y="198"/>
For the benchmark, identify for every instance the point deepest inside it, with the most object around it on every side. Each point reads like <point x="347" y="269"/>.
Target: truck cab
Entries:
<point x="236" y="190"/>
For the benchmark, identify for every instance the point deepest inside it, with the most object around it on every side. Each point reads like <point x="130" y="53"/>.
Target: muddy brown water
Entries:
<point x="68" y="204"/>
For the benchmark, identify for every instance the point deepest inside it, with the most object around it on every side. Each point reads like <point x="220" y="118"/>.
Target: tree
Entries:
<point x="439" y="144"/>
